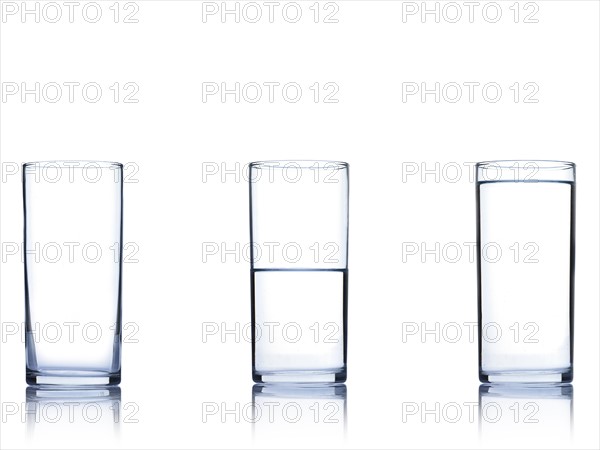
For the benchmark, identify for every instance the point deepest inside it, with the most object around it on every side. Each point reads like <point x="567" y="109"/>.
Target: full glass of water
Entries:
<point x="72" y="245"/>
<point x="526" y="261"/>
<point x="299" y="270"/>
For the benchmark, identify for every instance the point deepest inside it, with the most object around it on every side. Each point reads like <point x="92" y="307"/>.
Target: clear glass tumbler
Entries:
<point x="526" y="261"/>
<point x="73" y="231"/>
<point x="299" y="270"/>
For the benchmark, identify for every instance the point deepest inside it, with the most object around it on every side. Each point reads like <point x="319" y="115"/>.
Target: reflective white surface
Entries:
<point x="411" y="192"/>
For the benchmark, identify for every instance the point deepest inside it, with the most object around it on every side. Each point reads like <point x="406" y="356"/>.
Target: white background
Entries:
<point x="170" y="134"/>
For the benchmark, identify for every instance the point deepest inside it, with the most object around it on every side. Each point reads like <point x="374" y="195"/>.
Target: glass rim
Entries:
<point x="540" y="164"/>
<point x="60" y="163"/>
<point x="302" y="163"/>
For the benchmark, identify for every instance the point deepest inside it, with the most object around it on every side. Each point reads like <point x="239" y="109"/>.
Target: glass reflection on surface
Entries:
<point x="531" y="414"/>
<point x="304" y="413"/>
<point x="78" y="412"/>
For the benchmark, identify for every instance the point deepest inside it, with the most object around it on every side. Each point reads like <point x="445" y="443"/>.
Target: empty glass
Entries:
<point x="73" y="232"/>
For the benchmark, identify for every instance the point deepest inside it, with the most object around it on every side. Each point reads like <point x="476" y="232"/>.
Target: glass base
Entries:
<point x="72" y="378"/>
<point x="527" y="376"/>
<point x="300" y="376"/>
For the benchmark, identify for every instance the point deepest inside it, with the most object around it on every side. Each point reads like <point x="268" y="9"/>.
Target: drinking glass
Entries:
<point x="526" y="260"/>
<point x="299" y="270"/>
<point x="72" y="244"/>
